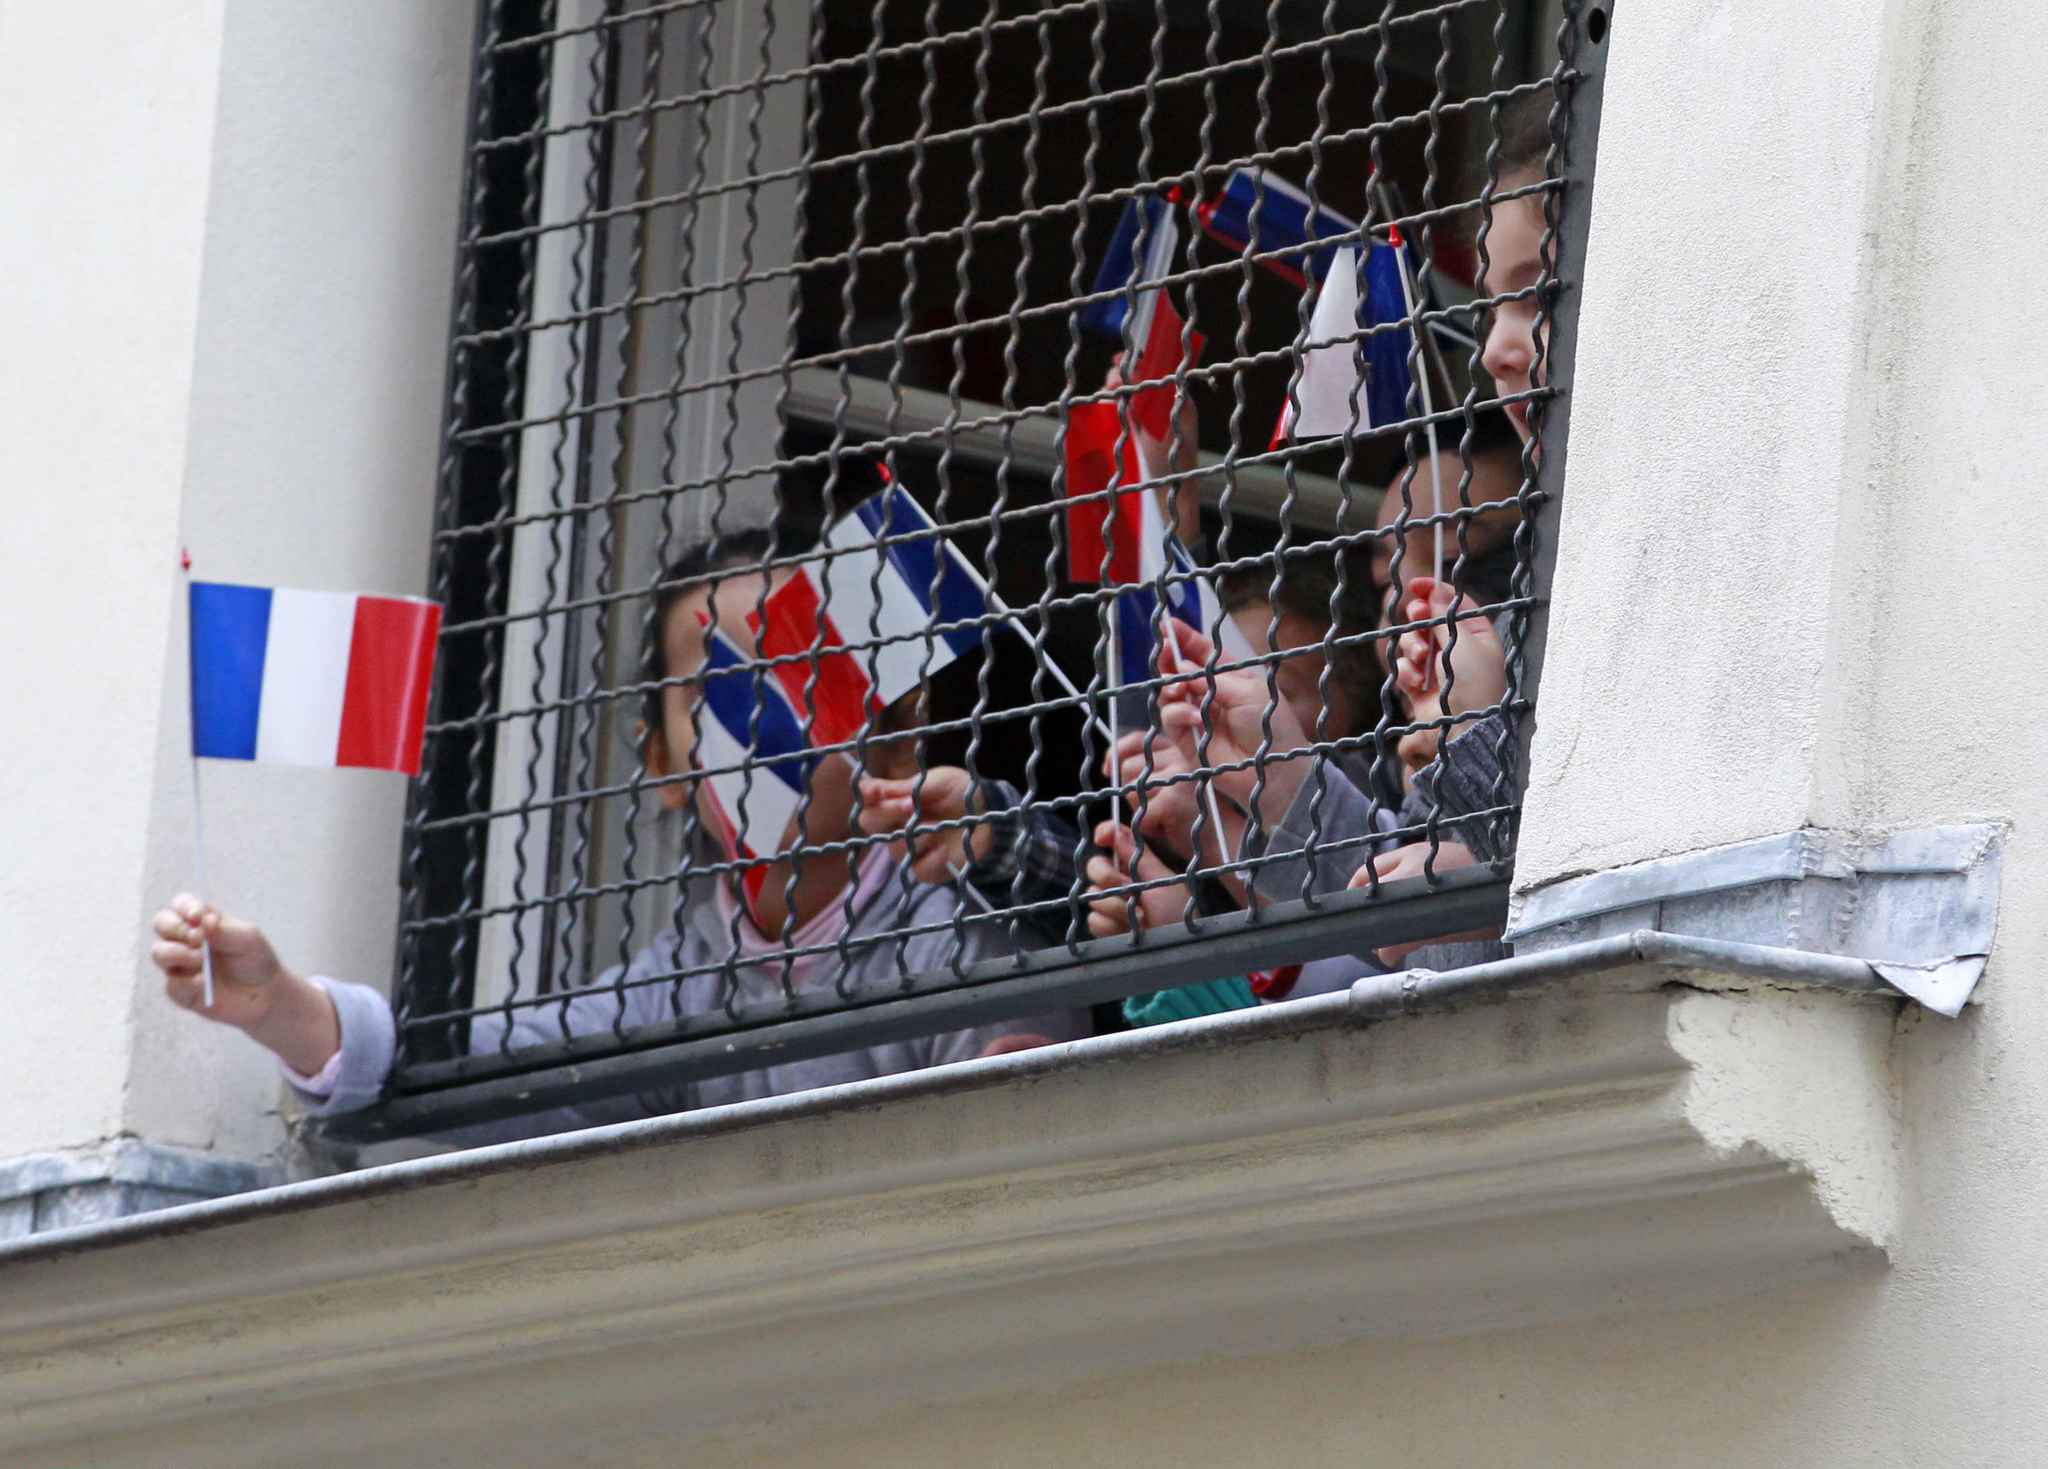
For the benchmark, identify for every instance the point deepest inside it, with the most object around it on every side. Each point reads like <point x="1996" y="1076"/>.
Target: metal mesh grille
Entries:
<point x="732" y="266"/>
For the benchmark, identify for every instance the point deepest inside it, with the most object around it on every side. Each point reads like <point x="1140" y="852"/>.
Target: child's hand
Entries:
<point x="1169" y="814"/>
<point x="943" y="795"/>
<point x="1186" y="502"/>
<point x="1479" y="663"/>
<point x="1413" y="861"/>
<point x="245" y="967"/>
<point x="251" y="990"/>
<point x="1113" y="868"/>
<point x="1236" y="723"/>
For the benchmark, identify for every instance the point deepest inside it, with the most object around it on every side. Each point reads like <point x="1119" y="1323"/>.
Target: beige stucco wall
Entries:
<point x="241" y="217"/>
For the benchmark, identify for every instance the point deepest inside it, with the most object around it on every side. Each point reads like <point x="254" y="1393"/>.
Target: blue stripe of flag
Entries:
<point x="1283" y="219"/>
<point x="959" y="596"/>
<point x="1120" y="263"/>
<point x="1134" y="609"/>
<point x="732" y="693"/>
<point x="230" y="627"/>
<point x="1387" y="379"/>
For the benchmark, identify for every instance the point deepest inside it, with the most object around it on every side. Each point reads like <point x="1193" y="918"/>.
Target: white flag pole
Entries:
<point x="199" y="872"/>
<point x="198" y="828"/>
<point x="1436" y="480"/>
<point x="1016" y="624"/>
<point x="1150" y="463"/>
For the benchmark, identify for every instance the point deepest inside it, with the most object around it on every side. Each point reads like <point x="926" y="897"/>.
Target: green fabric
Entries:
<point x="1210" y="997"/>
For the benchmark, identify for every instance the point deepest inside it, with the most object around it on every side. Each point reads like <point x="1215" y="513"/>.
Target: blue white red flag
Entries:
<point x="310" y="678"/>
<point x="891" y="577"/>
<point x="829" y="689"/>
<point x="1263" y="210"/>
<point x="749" y="722"/>
<point x="1355" y="382"/>
<point x="1134" y="543"/>
<point x="1133" y="262"/>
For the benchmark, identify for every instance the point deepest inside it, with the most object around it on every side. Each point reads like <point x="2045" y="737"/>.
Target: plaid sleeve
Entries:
<point x="1032" y="844"/>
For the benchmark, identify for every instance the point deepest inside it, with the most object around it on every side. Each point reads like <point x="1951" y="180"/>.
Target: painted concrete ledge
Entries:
<point x="1646" y="1133"/>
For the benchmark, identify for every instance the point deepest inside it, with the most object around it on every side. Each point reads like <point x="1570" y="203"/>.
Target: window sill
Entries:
<point x="1655" y="1134"/>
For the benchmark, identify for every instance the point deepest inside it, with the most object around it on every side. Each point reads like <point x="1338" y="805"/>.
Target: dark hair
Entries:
<point x="695" y="566"/>
<point x="1523" y="139"/>
<point x="1308" y="584"/>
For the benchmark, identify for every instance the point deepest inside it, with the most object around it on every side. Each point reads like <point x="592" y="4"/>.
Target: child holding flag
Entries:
<point x="336" y="1040"/>
<point x="1301" y="799"/>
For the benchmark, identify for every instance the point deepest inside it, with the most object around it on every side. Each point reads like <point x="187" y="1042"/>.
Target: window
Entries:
<point x="730" y="265"/>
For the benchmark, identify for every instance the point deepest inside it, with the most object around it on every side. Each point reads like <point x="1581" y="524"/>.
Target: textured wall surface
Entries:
<point x="232" y="339"/>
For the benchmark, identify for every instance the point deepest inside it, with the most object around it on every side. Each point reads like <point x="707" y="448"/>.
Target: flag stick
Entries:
<point x="1016" y="625"/>
<point x="198" y="829"/>
<point x="199" y="872"/>
<point x="1436" y="480"/>
<point x="1208" y="782"/>
<point x="1115" y="682"/>
<point x="960" y="878"/>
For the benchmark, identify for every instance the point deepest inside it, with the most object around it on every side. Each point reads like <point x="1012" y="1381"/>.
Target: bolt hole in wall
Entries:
<point x="730" y="266"/>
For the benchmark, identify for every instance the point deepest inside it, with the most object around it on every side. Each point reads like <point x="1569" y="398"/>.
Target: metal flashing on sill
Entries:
<point x="1926" y="901"/>
<point x="1375" y="999"/>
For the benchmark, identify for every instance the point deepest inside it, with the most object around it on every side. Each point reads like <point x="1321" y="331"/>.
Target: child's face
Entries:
<point x="1298" y="678"/>
<point x="1496" y="477"/>
<point x="1513" y="246"/>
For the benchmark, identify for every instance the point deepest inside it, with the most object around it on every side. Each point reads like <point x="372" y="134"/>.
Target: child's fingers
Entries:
<point x="186" y="991"/>
<point x="176" y="959"/>
<point x="877" y="817"/>
<point x="1115" y="838"/>
<point x="172" y="926"/>
<point x="1103" y="873"/>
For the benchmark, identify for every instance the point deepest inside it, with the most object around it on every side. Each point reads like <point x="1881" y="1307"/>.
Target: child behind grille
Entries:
<point x="336" y="1040"/>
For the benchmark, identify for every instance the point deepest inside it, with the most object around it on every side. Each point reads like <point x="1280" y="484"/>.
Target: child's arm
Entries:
<point x="274" y="1006"/>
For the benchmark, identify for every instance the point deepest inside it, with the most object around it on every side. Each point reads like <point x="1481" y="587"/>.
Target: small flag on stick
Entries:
<point x="1354" y="383"/>
<point x="310" y="678"/>
<point x="891" y="577"/>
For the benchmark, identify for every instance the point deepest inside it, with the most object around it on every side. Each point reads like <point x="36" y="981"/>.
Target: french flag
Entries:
<point x="830" y="684"/>
<point x="1135" y="544"/>
<point x="1261" y="209"/>
<point x="892" y="576"/>
<point x="1123" y="267"/>
<point x="310" y="678"/>
<point x="1354" y="377"/>
<point x="749" y="721"/>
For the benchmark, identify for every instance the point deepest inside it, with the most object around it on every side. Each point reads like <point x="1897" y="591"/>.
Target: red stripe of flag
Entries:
<point x="390" y="670"/>
<point x="793" y="620"/>
<point x="1092" y="430"/>
<point x="1159" y="359"/>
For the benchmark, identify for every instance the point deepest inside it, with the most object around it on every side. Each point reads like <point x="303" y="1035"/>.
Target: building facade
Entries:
<point x="1736" y="1159"/>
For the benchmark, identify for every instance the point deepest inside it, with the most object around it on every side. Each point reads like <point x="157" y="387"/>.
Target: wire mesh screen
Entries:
<point x="964" y="524"/>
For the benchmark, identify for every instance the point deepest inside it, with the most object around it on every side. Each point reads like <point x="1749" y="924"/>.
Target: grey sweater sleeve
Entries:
<point x="369" y="1041"/>
<point x="1459" y="783"/>
<point x="1345" y="814"/>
